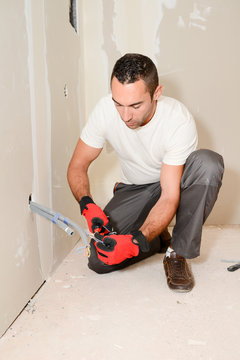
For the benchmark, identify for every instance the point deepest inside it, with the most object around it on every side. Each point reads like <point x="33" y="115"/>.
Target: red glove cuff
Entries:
<point x="142" y="241"/>
<point x="85" y="200"/>
<point x="96" y="218"/>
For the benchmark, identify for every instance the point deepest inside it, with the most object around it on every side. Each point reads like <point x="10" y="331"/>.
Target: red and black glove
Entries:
<point x="96" y="219"/>
<point x="113" y="249"/>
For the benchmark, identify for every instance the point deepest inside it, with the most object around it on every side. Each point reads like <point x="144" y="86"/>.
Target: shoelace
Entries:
<point x="177" y="267"/>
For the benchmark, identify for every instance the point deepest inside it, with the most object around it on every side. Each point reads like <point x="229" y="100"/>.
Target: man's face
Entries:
<point x="133" y="102"/>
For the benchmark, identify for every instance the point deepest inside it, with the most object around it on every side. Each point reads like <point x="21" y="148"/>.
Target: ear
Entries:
<point x="157" y="92"/>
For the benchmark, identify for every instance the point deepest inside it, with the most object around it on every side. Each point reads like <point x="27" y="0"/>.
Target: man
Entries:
<point x="163" y="175"/>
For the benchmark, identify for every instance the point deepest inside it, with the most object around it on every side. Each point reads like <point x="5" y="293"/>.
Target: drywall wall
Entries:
<point x="194" y="46"/>
<point x="63" y="63"/>
<point x="46" y="93"/>
<point x="20" y="274"/>
<point x="40" y="120"/>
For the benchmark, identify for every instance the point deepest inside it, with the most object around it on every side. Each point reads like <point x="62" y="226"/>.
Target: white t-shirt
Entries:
<point x="169" y="137"/>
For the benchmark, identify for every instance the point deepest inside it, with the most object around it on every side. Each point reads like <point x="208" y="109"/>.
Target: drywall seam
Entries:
<point x="35" y="182"/>
<point x="109" y="44"/>
<point x="103" y="52"/>
<point x="48" y="115"/>
<point x="81" y="75"/>
<point x="49" y="128"/>
<point x="27" y="9"/>
<point x="114" y="33"/>
<point x="150" y="37"/>
<point x="169" y="4"/>
<point x="35" y="146"/>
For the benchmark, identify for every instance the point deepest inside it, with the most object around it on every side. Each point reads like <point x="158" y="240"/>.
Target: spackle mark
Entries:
<point x="181" y="22"/>
<point x="196" y="14"/>
<point x="202" y="27"/>
<point x="198" y="17"/>
<point x="196" y="342"/>
<point x="67" y="286"/>
<point x="22" y="252"/>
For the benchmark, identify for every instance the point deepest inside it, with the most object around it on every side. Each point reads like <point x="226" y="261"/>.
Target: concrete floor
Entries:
<point x="131" y="314"/>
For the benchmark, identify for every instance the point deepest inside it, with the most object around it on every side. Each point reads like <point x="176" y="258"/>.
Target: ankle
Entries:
<point x="169" y="251"/>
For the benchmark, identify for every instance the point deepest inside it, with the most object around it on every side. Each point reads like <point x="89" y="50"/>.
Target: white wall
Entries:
<point x="40" y="54"/>
<point x="194" y="45"/>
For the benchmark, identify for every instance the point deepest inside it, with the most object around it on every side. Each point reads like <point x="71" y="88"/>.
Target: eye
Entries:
<point x="136" y="106"/>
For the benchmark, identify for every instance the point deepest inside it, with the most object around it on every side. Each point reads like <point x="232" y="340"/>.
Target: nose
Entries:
<point x="126" y="114"/>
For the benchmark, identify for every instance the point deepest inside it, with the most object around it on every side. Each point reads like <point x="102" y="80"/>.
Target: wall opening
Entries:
<point x="73" y="14"/>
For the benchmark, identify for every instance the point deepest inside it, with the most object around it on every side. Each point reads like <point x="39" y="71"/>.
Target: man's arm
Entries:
<point x="165" y="208"/>
<point x="116" y="248"/>
<point x="78" y="167"/>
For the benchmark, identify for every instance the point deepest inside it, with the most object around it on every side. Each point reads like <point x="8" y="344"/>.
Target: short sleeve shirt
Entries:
<point x="169" y="137"/>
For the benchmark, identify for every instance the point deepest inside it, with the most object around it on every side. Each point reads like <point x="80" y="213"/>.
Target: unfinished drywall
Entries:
<point x="20" y="274"/>
<point x="46" y="93"/>
<point x="40" y="121"/>
<point x="194" y="46"/>
<point x="63" y="64"/>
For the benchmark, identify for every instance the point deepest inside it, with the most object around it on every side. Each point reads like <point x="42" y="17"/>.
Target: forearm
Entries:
<point x="159" y="217"/>
<point x="78" y="169"/>
<point x="79" y="182"/>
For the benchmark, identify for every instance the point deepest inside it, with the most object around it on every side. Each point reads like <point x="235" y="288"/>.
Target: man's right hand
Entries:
<point x="96" y="218"/>
<point x="113" y="248"/>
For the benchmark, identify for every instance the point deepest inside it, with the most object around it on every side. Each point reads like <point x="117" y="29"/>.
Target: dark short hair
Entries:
<point x="133" y="67"/>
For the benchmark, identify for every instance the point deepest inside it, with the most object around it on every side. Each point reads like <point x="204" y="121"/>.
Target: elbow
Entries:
<point x="72" y="172"/>
<point x="69" y="173"/>
<point x="175" y="202"/>
<point x="172" y="201"/>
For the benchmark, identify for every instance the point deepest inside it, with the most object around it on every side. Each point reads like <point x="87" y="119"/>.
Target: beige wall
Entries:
<point x="21" y="272"/>
<point x="194" y="45"/>
<point x="40" y="54"/>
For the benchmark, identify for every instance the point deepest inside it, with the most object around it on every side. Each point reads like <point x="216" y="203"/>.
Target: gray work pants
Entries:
<point x="130" y="205"/>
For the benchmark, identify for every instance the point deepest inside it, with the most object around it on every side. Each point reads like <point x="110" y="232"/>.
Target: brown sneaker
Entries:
<point x="179" y="277"/>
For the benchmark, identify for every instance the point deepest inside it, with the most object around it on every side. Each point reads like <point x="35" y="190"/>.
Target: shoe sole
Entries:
<point x="179" y="290"/>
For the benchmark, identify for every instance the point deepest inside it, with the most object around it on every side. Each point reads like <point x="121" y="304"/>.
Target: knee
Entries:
<point x="211" y="162"/>
<point x="99" y="268"/>
<point x="208" y="166"/>
<point x="95" y="264"/>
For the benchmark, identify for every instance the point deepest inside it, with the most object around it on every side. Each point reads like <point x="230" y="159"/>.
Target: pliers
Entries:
<point x="234" y="267"/>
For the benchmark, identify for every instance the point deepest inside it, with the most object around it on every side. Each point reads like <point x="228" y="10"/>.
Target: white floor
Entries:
<point x="131" y="314"/>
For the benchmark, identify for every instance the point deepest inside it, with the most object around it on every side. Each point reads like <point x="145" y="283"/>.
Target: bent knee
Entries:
<point x="209" y="164"/>
<point x="95" y="264"/>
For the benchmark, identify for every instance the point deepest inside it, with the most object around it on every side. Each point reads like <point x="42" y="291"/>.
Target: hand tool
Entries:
<point x="234" y="267"/>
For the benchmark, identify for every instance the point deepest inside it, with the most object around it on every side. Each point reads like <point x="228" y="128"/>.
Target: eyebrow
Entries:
<point x="134" y="104"/>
